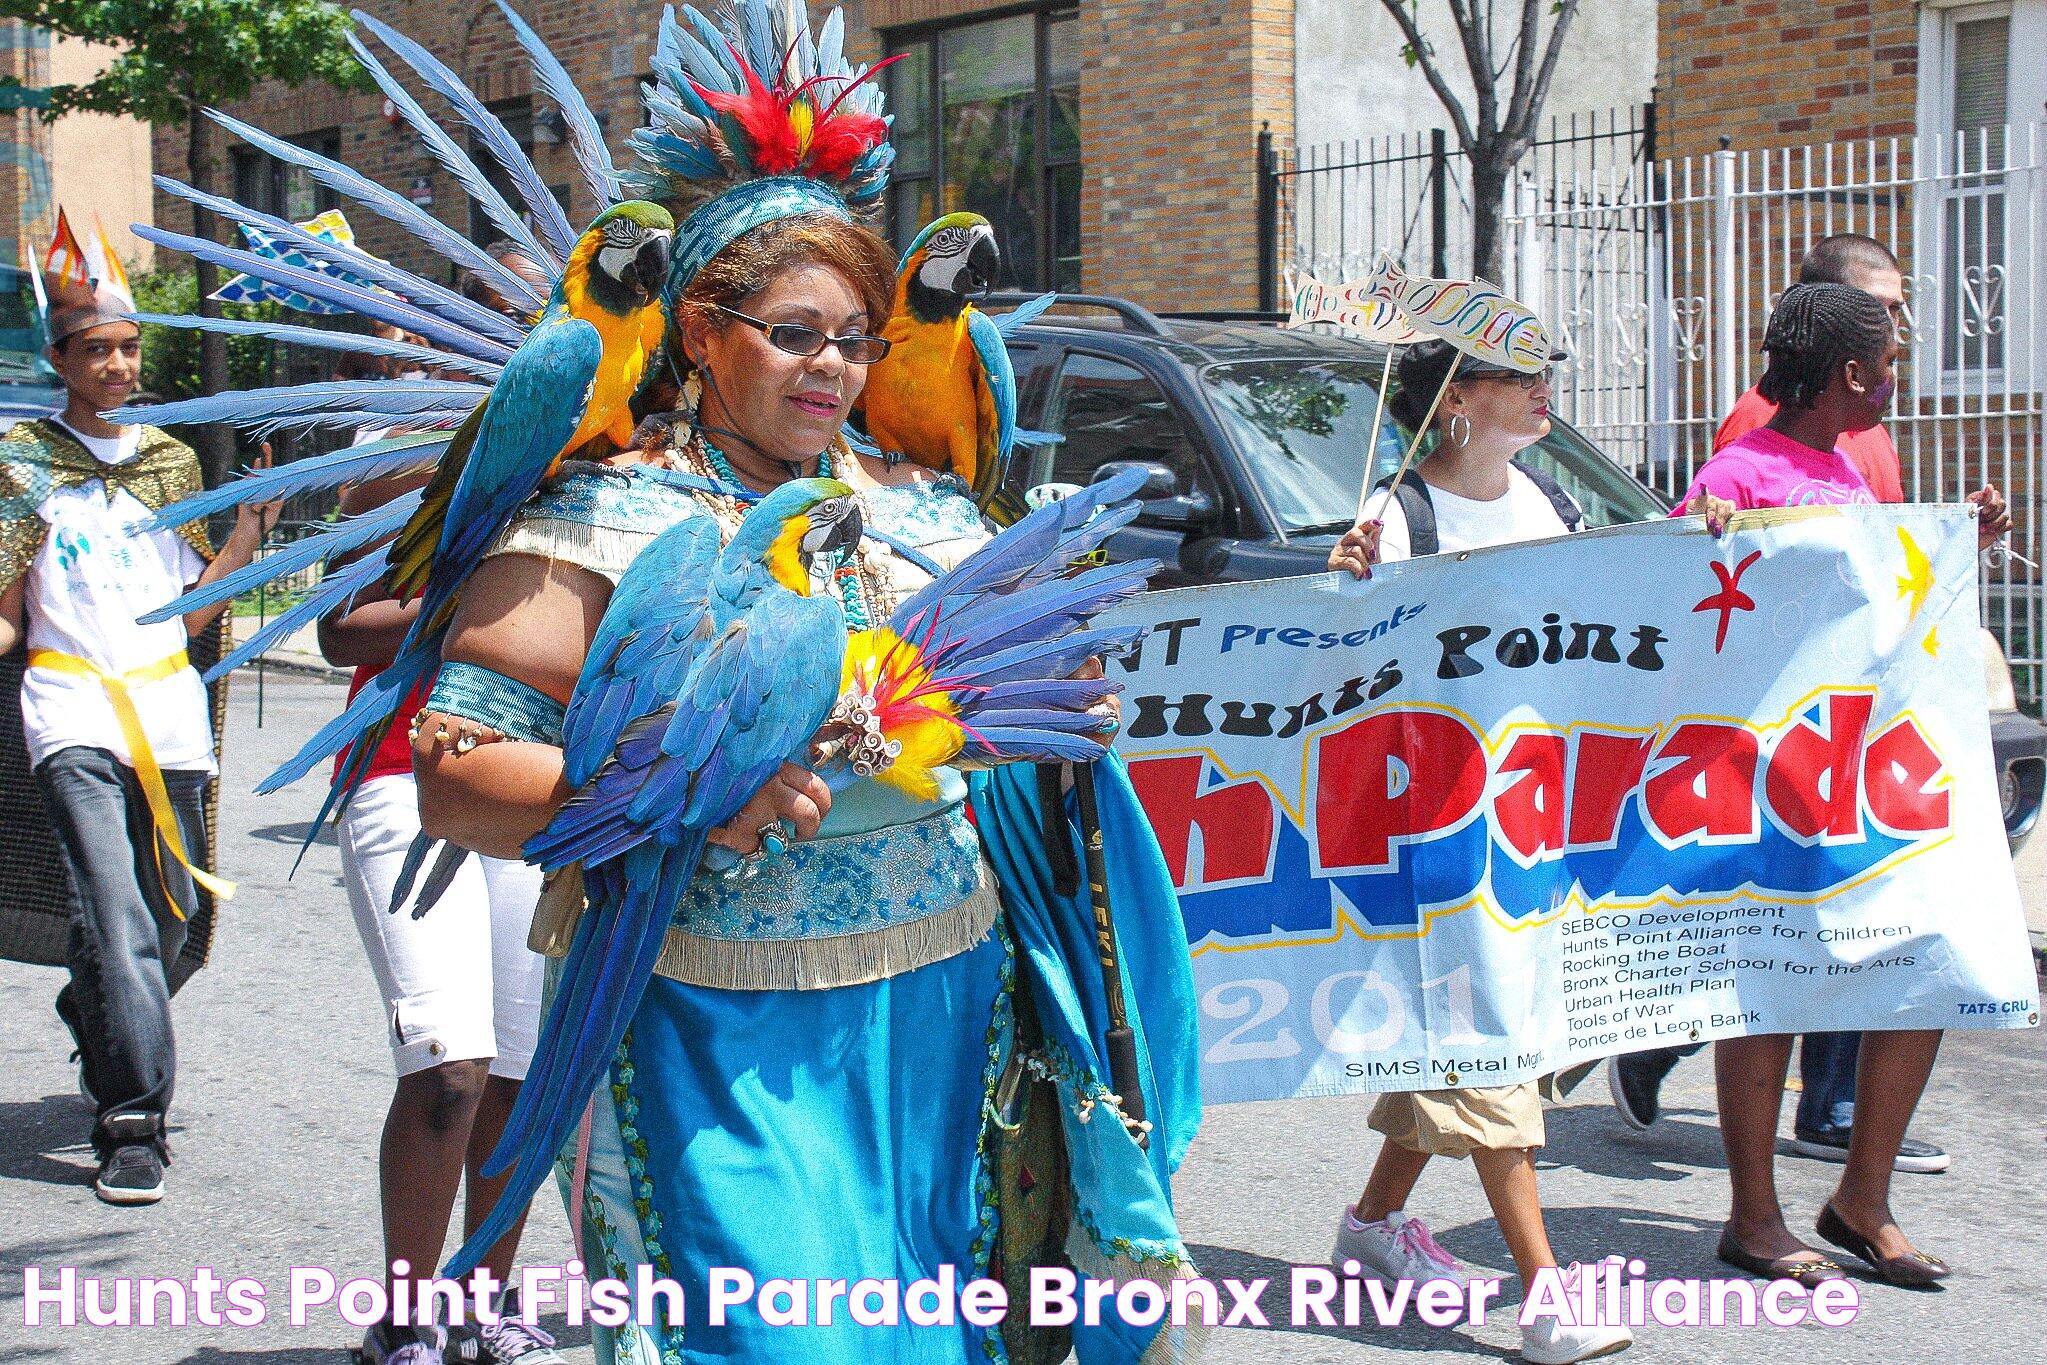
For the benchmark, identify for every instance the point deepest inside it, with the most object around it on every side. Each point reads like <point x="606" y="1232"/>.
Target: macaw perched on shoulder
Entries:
<point x="709" y="671"/>
<point x="945" y="394"/>
<point x="569" y="382"/>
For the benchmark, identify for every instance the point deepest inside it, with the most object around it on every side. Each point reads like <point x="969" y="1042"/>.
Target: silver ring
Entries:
<point x="774" y="841"/>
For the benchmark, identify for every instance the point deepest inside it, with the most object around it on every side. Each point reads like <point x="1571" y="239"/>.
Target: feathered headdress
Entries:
<point x="756" y="123"/>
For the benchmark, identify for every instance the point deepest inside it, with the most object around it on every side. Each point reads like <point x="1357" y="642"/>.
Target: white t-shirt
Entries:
<point x="1524" y="513"/>
<point x="107" y="449"/>
<point x="90" y="580"/>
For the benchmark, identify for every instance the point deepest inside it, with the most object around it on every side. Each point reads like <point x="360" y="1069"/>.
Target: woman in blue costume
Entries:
<point x="830" y="1075"/>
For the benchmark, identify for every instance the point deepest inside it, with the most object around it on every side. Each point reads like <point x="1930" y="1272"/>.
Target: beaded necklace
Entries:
<point x="860" y="579"/>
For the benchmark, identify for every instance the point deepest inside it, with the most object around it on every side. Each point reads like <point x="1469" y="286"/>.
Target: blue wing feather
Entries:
<point x="356" y="464"/>
<point x="586" y="135"/>
<point x="1000" y="378"/>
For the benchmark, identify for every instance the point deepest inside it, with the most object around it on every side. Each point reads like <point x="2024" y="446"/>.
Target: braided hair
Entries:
<point x="1815" y="329"/>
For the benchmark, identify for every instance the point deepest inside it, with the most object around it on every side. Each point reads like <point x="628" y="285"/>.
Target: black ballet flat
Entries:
<point x="1916" y="1270"/>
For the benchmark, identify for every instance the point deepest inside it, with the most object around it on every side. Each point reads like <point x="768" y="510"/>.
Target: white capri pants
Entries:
<point x="460" y="982"/>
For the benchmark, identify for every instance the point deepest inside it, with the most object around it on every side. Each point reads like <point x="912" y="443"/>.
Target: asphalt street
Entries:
<point x="284" y="1076"/>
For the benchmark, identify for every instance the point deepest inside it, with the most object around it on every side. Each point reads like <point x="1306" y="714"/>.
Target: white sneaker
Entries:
<point x="1396" y="1248"/>
<point x="1549" y="1341"/>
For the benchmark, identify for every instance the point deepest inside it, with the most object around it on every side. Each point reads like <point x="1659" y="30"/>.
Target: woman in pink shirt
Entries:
<point x="1831" y="355"/>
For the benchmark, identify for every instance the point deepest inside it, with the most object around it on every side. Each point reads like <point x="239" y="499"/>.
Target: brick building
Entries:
<point x="1782" y="73"/>
<point x="1112" y="141"/>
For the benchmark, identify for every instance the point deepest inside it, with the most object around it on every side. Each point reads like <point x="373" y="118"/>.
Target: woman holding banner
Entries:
<point x="1831" y="351"/>
<point x="1469" y="492"/>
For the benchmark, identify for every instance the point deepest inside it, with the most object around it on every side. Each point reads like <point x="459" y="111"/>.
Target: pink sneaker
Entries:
<point x="1397" y="1247"/>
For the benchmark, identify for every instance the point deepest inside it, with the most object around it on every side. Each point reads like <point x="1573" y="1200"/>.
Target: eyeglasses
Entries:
<point x="1524" y="382"/>
<point x="797" y="339"/>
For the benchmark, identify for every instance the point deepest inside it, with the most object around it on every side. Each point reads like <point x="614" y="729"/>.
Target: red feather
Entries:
<point x="837" y="141"/>
<point x="842" y="140"/>
<point x="763" y="116"/>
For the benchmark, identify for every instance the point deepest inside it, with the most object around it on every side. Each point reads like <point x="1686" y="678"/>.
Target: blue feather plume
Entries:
<point x="413" y="289"/>
<point x="489" y="129"/>
<point x="369" y="303"/>
<point x="321" y="338"/>
<point x="334" y="591"/>
<point x="586" y="135"/>
<point x="350" y="533"/>
<point x="473" y="181"/>
<point x="395" y="399"/>
<point x="356" y="464"/>
<point x="408" y="215"/>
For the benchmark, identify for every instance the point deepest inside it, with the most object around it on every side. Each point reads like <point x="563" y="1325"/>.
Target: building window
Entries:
<point x="988" y="122"/>
<point x="264" y="183"/>
<point x="1976" y="109"/>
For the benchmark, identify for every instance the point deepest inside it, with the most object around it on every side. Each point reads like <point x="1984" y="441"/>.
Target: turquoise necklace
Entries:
<point x="845" y="575"/>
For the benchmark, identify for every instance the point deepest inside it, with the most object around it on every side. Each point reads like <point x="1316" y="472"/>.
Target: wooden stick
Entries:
<point x="1378" y="416"/>
<point x="1393" y="489"/>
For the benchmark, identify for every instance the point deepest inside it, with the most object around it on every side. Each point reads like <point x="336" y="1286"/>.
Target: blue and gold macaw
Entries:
<point x="569" y="382"/>
<point x="945" y="395"/>
<point x="709" y="671"/>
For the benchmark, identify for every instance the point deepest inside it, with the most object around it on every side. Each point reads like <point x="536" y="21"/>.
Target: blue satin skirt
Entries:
<point x="805" y="1135"/>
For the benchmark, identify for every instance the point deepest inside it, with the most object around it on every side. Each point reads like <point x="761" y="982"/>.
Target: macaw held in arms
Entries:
<point x="711" y="669"/>
<point x="569" y="382"/>
<point x="945" y="395"/>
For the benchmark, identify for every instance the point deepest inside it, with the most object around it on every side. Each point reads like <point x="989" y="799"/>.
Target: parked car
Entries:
<point x="28" y="386"/>
<point x="1252" y="435"/>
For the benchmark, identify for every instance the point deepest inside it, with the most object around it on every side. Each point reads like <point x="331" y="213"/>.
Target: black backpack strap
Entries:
<point x="1568" y="511"/>
<point x="1420" y="513"/>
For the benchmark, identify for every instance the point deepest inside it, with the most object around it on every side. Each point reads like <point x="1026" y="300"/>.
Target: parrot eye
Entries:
<point x="621" y="232"/>
<point x="949" y="241"/>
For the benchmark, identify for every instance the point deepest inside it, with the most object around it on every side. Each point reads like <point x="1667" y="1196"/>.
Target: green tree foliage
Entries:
<point x="175" y="58"/>
<point x="176" y="54"/>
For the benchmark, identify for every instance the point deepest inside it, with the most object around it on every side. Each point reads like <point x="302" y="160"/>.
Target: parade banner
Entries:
<point x="1488" y="814"/>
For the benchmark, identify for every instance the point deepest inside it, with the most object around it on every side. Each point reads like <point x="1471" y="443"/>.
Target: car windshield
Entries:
<point x="1301" y="425"/>
<point x="21" y="332"/>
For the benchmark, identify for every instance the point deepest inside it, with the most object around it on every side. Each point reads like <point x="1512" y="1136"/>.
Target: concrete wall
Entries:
<point x="100" y="164"/>
<point x="1352" y="83"/>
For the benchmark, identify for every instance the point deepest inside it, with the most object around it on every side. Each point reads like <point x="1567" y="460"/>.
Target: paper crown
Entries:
<point x="84" y="283"/>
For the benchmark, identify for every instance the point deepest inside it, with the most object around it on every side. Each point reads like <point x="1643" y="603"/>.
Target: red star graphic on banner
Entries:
<point x="1730" y="599"/>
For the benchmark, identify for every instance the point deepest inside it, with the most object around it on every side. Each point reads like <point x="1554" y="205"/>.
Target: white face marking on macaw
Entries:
<point x="622" y="238"/>
<point x="945" y="267"/>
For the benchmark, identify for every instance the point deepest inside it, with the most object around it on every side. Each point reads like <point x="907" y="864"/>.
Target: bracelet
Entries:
<point x="466" y="737"/>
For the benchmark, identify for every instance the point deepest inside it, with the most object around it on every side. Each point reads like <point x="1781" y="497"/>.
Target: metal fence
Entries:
<point x="1332" y="207"/>
<point x="1659" y="277"/>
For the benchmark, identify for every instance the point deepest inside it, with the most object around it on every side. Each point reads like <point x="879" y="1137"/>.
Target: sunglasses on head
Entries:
<point x="796" y="338"/>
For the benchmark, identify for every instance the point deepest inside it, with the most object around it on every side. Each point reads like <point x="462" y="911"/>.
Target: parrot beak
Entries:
<point x="650" y="263"/>
<point x="983" y="264"/>
<point x="835" y="527"/>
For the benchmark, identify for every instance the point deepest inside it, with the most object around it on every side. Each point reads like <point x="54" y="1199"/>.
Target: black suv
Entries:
<point x="1253" y="434"/>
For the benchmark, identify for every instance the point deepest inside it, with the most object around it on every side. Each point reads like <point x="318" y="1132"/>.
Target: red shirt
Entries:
<point x="1870" y="451"/>
<point x="394" y="756"/>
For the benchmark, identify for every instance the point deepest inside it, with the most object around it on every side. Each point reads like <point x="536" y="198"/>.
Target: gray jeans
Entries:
<point x="124" y="935"/>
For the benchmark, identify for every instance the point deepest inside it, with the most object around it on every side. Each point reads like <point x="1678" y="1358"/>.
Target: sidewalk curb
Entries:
<point x="298" y="666"/>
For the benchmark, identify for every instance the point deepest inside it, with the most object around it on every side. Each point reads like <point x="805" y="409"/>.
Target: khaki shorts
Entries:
<point x="1493" y="1118"/>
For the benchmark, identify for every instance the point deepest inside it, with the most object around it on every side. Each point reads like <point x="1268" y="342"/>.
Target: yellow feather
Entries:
<point x="883" y="665"/>
<point x="785" y="561"/>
